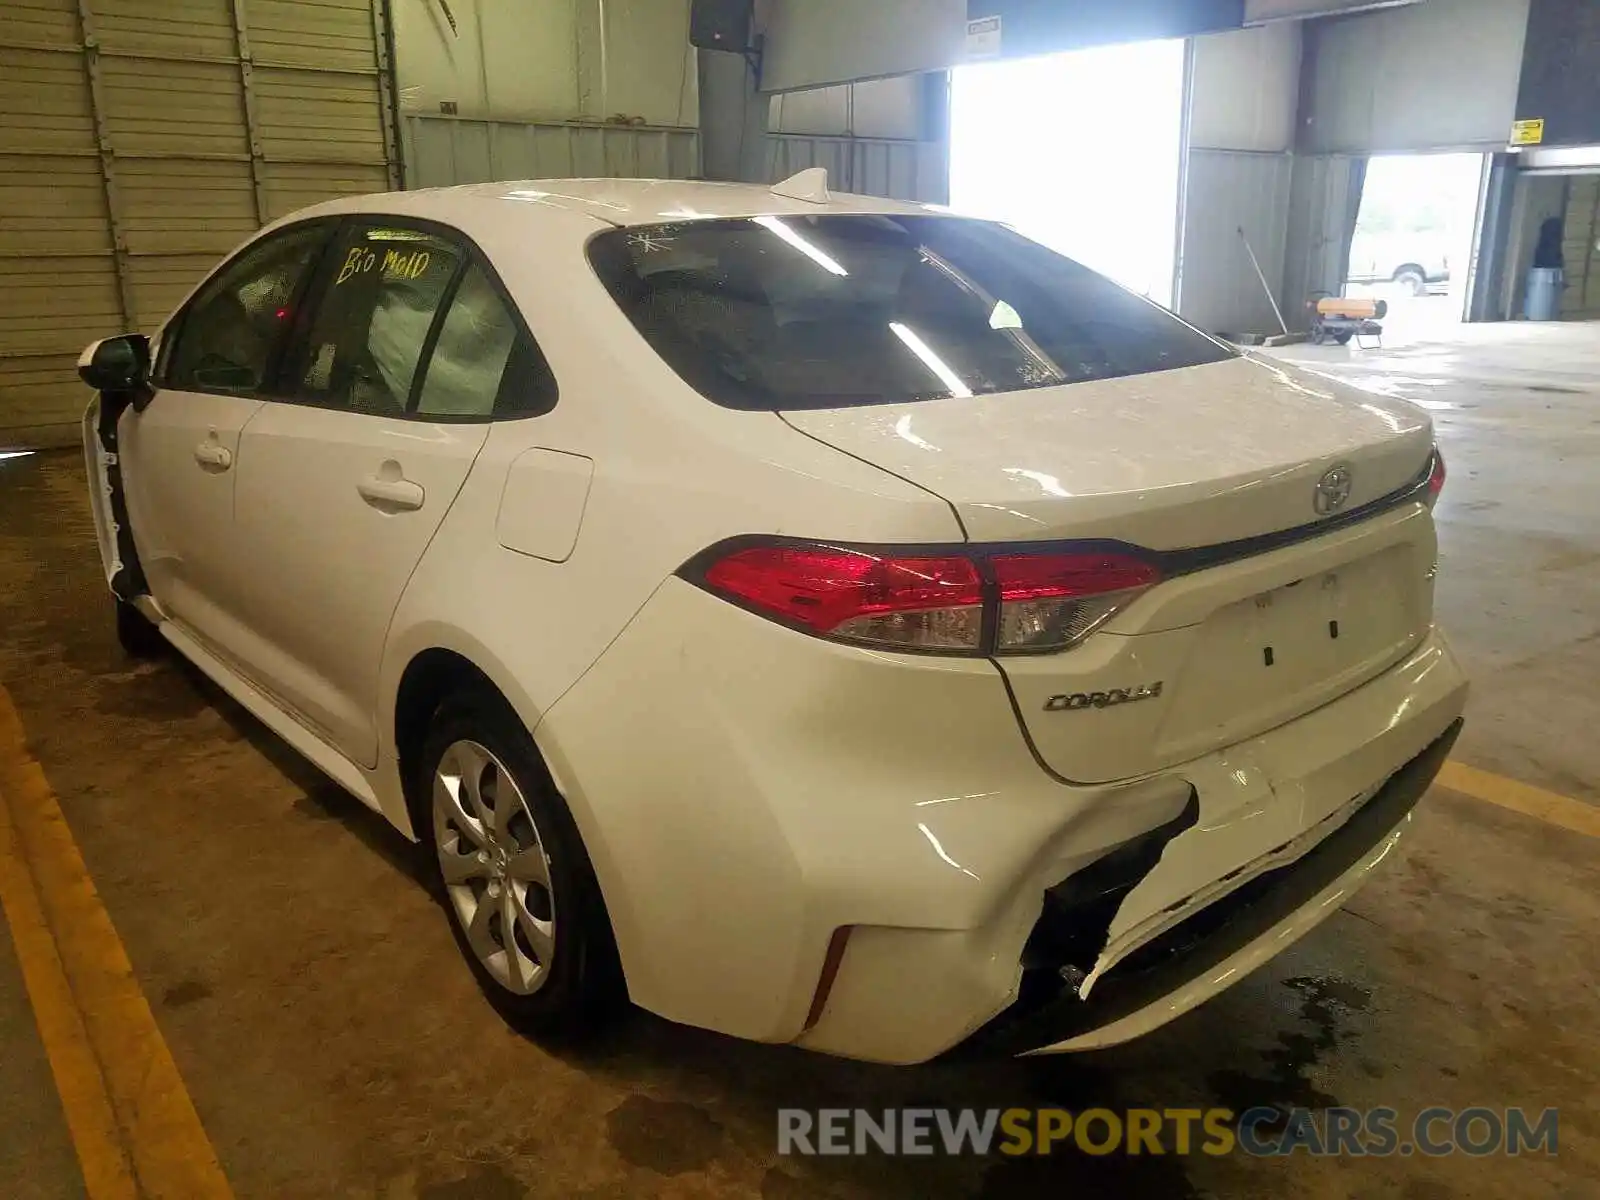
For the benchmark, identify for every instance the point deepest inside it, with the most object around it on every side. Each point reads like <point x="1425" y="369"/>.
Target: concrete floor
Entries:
<point x="1517" y="407"/>
<point x="334" y="1046"/>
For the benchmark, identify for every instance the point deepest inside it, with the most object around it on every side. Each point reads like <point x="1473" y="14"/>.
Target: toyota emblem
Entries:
<point x="1333" y="490"/>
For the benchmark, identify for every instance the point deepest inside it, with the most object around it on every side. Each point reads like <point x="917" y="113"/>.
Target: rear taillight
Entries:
<point x="945" y="603"/>
<point x="924" y="603"/>
<point x="1051" y="601"/>
<point x="1436" y="476"/>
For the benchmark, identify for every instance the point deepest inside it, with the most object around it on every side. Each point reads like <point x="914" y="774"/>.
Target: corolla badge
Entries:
<point x="1333" y="489"/>
<point x="1073" y="701"/>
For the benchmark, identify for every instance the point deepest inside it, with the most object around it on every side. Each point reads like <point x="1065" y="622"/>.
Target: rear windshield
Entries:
<point x="827" y="311"/>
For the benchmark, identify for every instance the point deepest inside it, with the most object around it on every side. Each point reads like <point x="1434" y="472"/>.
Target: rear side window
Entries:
<point x="483" y="364"/>
<point x="380" y="293"/>
<point x="229" y="331"/>
<point x="828" y="311"/>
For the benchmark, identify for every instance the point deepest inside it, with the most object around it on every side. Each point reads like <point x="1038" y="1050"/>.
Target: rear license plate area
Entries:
<point x="1267" y="658"/>
<point x="1325" y="623"/>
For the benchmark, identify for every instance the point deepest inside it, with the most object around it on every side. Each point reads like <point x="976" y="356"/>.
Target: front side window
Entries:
<point x="833" y="310"/>
<point x="230" y="330"/>
<point x="379" y="295"/>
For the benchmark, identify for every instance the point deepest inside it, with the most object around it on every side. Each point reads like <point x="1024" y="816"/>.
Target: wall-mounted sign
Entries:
<point x="983" y="38"/>
<point x="1527" y="133"/>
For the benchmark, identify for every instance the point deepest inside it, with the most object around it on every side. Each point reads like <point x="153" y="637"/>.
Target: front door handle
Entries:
<point x="209" y="454"/>
<point x="391" y="490"/>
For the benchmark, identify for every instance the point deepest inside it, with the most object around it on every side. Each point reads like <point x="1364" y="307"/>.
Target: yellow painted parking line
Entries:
<point x="82" y="1089"/>
<point x="1551" y="807"/>
<point x="132" y="1122"/>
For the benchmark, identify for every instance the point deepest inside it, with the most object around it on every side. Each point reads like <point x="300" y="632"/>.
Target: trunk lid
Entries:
<point x="1166" y="460"/>
<point x="1178" y="460"/>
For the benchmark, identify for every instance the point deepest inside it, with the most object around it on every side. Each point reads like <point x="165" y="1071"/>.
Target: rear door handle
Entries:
<point x="388" y="489"/>
<point x="209" y="454"/>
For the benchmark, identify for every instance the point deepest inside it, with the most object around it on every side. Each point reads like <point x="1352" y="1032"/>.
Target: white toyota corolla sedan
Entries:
<point x="816" y="618"/>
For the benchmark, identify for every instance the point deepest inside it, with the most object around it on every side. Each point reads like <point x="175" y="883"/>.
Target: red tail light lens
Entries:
<point x="913" y="603"/>
<point x="1052" y="601"/>
<point x="952" y="604"/>
<point x="1436" y="476"/>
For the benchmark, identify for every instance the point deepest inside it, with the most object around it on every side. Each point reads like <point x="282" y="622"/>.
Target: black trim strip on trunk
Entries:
<point x="1200" y="558"/>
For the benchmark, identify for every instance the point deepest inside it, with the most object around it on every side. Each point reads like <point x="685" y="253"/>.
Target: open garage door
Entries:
<point x="141" y="141"/>
<point x="1080" y="151"/>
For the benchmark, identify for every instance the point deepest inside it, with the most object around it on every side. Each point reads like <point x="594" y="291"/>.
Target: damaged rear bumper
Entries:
<point x="1086" y="950"/>
<point x="1202" y="954"/>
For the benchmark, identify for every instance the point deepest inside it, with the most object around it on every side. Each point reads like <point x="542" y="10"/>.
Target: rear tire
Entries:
<point x="137" y="635"/>
<point x="1412" y="281"/>
<point x="510" y="868"/>
<point x="1342" y="338"/>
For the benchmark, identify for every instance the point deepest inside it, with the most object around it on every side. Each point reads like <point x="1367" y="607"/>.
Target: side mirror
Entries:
<point x="116" y="364"/>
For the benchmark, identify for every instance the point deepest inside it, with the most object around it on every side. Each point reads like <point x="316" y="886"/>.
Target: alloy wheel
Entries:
<point x="494" y="866"/>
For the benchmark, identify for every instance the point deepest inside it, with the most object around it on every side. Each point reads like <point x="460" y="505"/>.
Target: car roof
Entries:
<point x="620" y="202"/>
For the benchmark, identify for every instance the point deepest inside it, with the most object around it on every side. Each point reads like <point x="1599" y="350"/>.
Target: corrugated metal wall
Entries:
<point x="902" y="170"/>
<point x="440" y="151"/>
<point x="1229" y="191"/>
<point x="1580" y="249"/>
<point x="140" y="141"/>
<point x="1243" y="92"/>
<point x="58" y="277"/>
<point x="547" y="60"/>
<point x="529" y="89"/>
<point x="881" y="108"/>
<point x="872" y="137"/>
